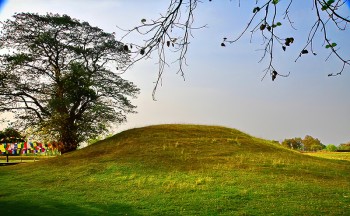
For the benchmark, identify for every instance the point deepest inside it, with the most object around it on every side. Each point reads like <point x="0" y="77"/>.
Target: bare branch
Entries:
<point x="160" y="37"/>
<point x="170" y="32"/>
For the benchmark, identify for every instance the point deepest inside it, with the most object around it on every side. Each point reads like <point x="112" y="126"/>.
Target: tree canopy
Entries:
<point x="309" y="143"/>
<point x="344" y="146"/>
<point x="10" y="135"/>
<point x="269" y="19"/>
<point x="331" y="148"/>
<point x="294" y="143"/>
<point x="59" y="75"/>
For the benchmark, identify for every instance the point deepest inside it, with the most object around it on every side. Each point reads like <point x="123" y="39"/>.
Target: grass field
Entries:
<point x="178" y="170"/>
<point x="332" y="155"/>
<point x="24" y="159"/>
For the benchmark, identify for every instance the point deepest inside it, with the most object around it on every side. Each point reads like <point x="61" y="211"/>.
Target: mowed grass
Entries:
<point x="23" y="159"/>
<point x="178" y="170"/>
<point x="332" y="155"/>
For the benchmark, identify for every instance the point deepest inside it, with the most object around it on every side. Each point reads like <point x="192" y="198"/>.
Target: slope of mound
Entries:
<point x="178" y="170"/>
<point x="186" y="147"/>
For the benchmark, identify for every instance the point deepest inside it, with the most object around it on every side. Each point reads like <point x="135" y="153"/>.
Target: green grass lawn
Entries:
<point x="332" y="155"/>
<point x="23" y="158"/>
<point x="178" y="170"/>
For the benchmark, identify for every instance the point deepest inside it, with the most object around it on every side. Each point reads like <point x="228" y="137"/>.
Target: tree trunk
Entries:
<point x="69" y="138"/>
<point x="68" y="144"/>
<point x="68" y="147"/>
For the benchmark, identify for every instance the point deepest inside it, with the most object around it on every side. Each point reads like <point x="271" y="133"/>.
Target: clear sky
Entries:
<point x="223" y="85"/>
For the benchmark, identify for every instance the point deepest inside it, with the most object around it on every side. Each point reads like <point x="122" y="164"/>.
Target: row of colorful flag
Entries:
<point x="25" y="147"/>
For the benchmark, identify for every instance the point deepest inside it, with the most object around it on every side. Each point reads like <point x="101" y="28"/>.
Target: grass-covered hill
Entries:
<point x="178" y="170"/>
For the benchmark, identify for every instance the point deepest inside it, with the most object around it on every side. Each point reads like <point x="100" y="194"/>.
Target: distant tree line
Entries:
<point x="344" y="146"/>
<point x="312" y="144"/>
<point x="10" y="135"/>
<point x="309" y="143"/>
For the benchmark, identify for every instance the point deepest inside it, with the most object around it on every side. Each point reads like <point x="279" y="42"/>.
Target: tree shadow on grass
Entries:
<point x="52" y="208"/>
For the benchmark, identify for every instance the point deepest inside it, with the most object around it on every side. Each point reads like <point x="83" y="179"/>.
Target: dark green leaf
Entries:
<point x="329" y="2"/>
<point x="262" y="27"/>
<point x="256" y="9"/>
<point x="274" y="75"/>
<point x="126" y="48"/>
<point x="304" y="51"/>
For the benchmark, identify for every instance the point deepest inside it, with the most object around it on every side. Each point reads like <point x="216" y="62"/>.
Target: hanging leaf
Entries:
<point x="143" y="20"/>
<point x="222" y="44"/>
<point x="256" y="9"/>
<point x="262" y="27"/>
<point x="304" y="51"/>
<point x="274" y="75"/>
<point x="289" y="41"/>
<point x="168" y="43"/>
<point x="284" y="48"/>
<point x="275" y="2"/>
<point x="142" y="51"/>
<point x="126" y="48"/>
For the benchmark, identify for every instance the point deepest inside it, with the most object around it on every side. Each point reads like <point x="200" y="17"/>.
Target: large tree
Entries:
<point x="10" y="135"/>
<point x="312" y="144"/>
<point x="344" y="146"/>
<point x="269" y="19"/>
<point x="59" y="75"/>
<point x="294" y="143"/>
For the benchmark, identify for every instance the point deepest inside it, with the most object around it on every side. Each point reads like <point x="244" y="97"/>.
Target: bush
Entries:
<point x="344" y="146"/>
<point x="331" y="148"/>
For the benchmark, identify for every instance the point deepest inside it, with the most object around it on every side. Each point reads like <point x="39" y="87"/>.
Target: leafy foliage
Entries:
<point x="307" y="144"/>
<point x="344" y="146"/>
<point x="10" y="135"/>
<point x="294" y="143"/>
<point x="331" y="148"/>
<point x="56" y="76"/>
<point x="312" y="144"/>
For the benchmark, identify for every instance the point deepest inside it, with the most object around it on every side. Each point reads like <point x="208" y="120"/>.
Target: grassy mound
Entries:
<point x="185" y="147"/>
<point x="178" y="170"/>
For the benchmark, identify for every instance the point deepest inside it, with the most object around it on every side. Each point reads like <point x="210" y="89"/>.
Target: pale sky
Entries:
<point x="223" y="85"/>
